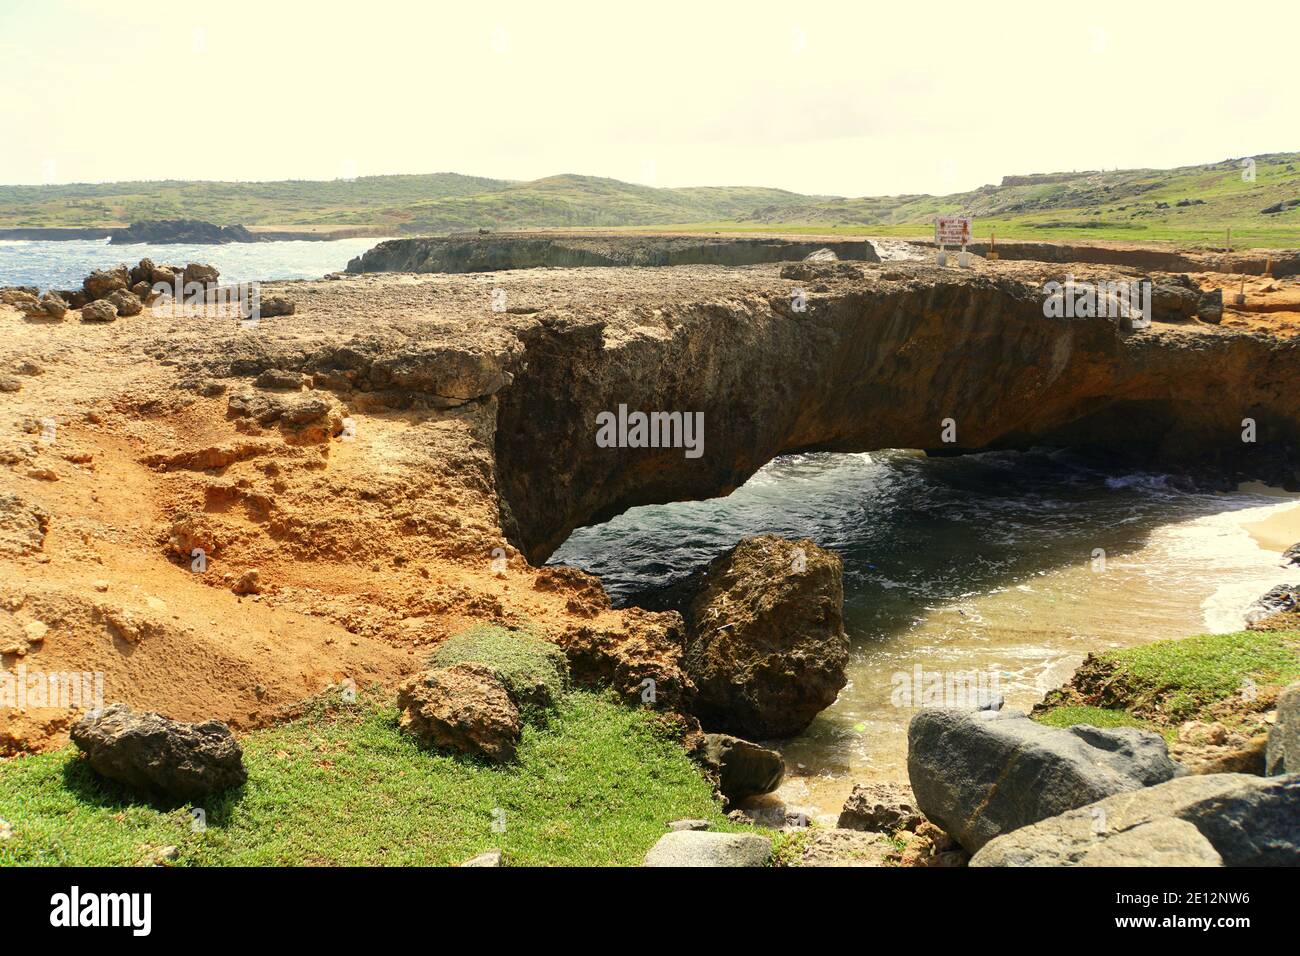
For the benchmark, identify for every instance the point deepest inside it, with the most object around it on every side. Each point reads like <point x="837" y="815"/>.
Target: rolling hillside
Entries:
<point x="1193" y="204"/>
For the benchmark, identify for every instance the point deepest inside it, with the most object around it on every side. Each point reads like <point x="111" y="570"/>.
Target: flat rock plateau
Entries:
<point x="416" y="445"/>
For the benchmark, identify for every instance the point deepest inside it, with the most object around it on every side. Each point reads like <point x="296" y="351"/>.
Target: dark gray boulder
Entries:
<point x="979" y="774"/>
<point x="151" y="753"/>
<point x="1245" y="820"/>
<point x="1283" y="751"/>
<point x="742" y="769"/>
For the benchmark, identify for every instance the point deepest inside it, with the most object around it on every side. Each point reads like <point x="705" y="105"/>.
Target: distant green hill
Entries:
<point x="1193" y="204"/>
<point x="1190" y="204"/>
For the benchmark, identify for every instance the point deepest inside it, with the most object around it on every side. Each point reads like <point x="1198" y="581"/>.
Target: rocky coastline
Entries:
<point x="380" y="470"/>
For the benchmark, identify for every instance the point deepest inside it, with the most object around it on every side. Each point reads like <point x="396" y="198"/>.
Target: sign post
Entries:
<point x="955" y="231"/>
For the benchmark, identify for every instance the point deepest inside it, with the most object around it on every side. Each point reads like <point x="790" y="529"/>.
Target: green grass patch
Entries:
<point x="1210" y="676"/>
<point x="343" y="786"/>
<point x="1184" y="677"/>
<point x="1071" y="714"/>
<point x="534" y="671"/>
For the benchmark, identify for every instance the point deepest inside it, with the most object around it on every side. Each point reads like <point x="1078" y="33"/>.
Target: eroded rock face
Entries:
<point x="153" y="754"/>
<point x="767" y="648"/>
<point x="979" y="774"/>
<point x="1238" y="819"/>
<point x="495" y="252"/>
<point x="869" y="365"/>
<point x="641" y="658"/>
<point x="463" y="708"/>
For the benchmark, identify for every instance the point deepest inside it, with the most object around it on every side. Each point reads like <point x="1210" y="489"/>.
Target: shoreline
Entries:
<point x="1279" y="531"/>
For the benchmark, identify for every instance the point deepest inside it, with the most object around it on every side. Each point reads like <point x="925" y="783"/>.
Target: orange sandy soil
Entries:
<point x="368" y="551"/>
<point x="1272" y="305"/>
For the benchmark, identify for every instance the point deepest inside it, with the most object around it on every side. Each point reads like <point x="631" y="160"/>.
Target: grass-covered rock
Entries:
<point x="343" y="785"/>
<point x="535" y="672"/>
<point x="1164" y="683"/>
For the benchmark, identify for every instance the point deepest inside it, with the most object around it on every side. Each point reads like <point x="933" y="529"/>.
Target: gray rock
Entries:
<point x="879" y="807"/>
<point x="1245" y="820"/>
<point x="677" y="825"/>
<point x="703" y="848"/>
<point x="151" y="753"/>
<point x="1291" y="555"/>
<point x="979" y="774"/>
<point x="490" y="858"/>
<point x="1275" y="600"/>
<point x="1283" y="753"/>
<point x="743" y="769"/>
<point x="1163" y="842"/>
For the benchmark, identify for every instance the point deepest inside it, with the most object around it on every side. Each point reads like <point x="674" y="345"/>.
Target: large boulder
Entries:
<point x="742" y="769"/>
<point x="1283" y="749"/>
<point x="156" y="755"/>
<point x="464" y="708"/>
<point x="1200" y="820"/>
<point x="705" y="848"/>
<point x="766" y="646"/>
<point x="102" y="282"/>
<point x="979" y="774"/>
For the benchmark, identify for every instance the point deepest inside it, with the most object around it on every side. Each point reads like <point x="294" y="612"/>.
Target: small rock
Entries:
<point x="490" y="858"/>
<point x="161" y="856"/>
<point x="248" y="583"/>
<point x="126" y="303"/>
<point x="678" y="825"/>
<point x="279" y="379"/>
<point x="880" y="807"/>
<point x="275" y="305"/>
<point x="98" y="311"/>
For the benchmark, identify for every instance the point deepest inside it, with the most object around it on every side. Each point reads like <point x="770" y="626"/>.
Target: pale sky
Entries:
<point x="858" y="98"/>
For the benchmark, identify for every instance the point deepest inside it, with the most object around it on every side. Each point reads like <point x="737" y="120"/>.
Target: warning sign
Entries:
<point x="952" y="230"/>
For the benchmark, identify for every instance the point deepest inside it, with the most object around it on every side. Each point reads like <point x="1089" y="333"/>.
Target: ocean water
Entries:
<point x="1009" y="566"/>
<point x="63" y="264"/>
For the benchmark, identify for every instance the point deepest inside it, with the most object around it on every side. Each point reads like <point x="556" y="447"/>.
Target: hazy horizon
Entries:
<point x="855" y="103"/>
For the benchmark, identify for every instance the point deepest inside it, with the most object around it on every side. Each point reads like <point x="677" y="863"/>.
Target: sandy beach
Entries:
<point x="1277" y="532"/>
